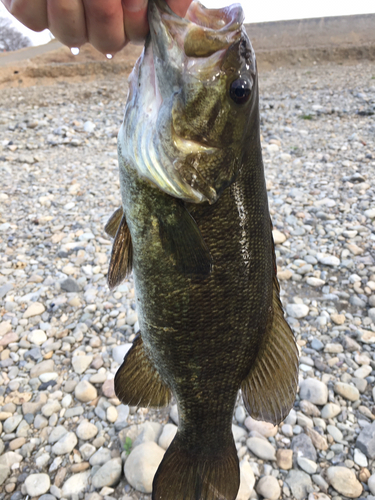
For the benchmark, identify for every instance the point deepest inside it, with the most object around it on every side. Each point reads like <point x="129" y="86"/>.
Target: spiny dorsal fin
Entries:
<point x="137" y="382"/>
<point x="113" y="222"/>
<point x="183" y="242"/>
<point x="270" y="388"/>
<point x="122" y="255"/>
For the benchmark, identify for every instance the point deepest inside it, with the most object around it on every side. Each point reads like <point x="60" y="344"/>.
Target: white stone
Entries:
<point x="363" y="372"/>
<point x="371" y="484"/>
<point x="297" y="311"/>
<point x="268" y="487"/>
<point x="85" y="392"/>
<point x="261" y="448"/>
<point x="278" y="237"/>
<point x="330" y="410"/>
<point x="247" y="481"/>
<point x="75" y="484"/>
<point x="34" y="309"/>
<point x="167" y="435"/>
<point x="327" y="259"/>
<point x="359" y="458"/>
<point x="119" y="352"/>
<point x="86" y="430"/>
<point x="265" y="428"/>
<point x="314" y="391"/>
<point x="65" y="444"/>
<point x="307" y="465"/>
<point x="316" y="282"/>
<point x="37" y="337"/>
<point x="81" y="363"/>
<point x="109" y="474"/>
<point x="344" y="481"/>
<point x="141" y="466"/>
<point x="37" y="484"/>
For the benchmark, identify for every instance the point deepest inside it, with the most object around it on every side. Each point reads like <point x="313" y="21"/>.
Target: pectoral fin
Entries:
<point x="122" y="255"/>
<point x="137" y="383"/>
<point x="270" y="388"/>
<point x="183" y="242"/>
<point x="114" y="222"/>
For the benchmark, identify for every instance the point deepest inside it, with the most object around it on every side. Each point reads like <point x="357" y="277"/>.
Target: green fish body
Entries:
<point x="195" y="229"/>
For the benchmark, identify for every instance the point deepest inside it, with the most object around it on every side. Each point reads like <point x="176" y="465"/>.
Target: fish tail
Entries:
<point x="186" y="473"/>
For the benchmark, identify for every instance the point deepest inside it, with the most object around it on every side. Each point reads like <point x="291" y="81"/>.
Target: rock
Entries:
<point x="238" y="433"/>
<point x="37" y="337"/>
<point x="268" y="487"/>
<point x="166" y="437"/>
<point x="119" y="352"/>
<point x="344" y="481"/>
<point x="299" y="482"/>
<point x="327" y="259"/>
<point x="87" y="450"/>
<point x="330" y="410"/>
<point x="149" y="431"/>
<point x="366" y="441"/>
<point x="111" y="414"/>
<point x="247" y="481"/>
<point x="297" y="311"/>
<point x="56" y="434"/>
<point x="11" y="423"/>
<point x="109" y="474"/>
<point x="37" y="484"/>
<point x="86" y="430"/>
<point x="141" y="465"/>
<point x="4" y="473"/>
<point x="85" y="392"/>
<point x="70" y="285"/>
<point x="261" y="448"/>
<point x="363" y="372"/>
<point x="360" y="458"/>
<point x="265" y="428"/>
<point x="317" y="440"/>
<point x="314" y="391"/>
<point x="338" y="319"/>
<point x="315" y="282"/>
<point x="50" y="408"/>
<point x="34" y="309"/>
<point x="10" y="458"/>
<point x="65" y="444"/>
<point x="284" y="459"/>
<point x="46" y="366"/>
<point x="81" y="363"/>
<point x="278" y="237"/>
<point x="307" y="465"/>
<point x="75" y="484"/>
<point x="108" y="388"/>
<point x="302" y="446"/>
<point x="346" y="391"/>
<point x="102" y="456"/>
<point x="371" y="484"/>
<point x="240" y="414"/>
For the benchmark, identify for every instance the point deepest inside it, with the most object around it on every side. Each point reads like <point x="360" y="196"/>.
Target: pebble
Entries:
<point x="65" y="444"/>
<point x="141" y="465"/>
<point x="85" y="392"/>
<point x="265" y="428"/>
<point x="37" y="484"/>
<point x="314" y="391"/>
<point x="35" y="309"/>
<point x="284" y="459"/>
<point x="247" y="481"/>
<point x="86" y="430"/>
<point x="75" y="484"/>
<point x="299" y="482"/>
<point x="297" y="311"/>
<point x="268" y="487"/>
<point x="167" y="435"/>
<point x="347" y="391"/>
<point x="261" y="448"/>
<point x="109" y="474"/>
<point x="81" y="363"/>
<point x="344" y="481"/>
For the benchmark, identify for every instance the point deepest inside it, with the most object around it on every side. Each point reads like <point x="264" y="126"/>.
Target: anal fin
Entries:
<point x="137" y="382"/>
<point x="122" y="255"/>
<point x="270" y="388"/>
<point x="114" y="222"/>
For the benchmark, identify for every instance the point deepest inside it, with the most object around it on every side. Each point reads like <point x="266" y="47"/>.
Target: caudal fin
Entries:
<point x="187" y="475"/>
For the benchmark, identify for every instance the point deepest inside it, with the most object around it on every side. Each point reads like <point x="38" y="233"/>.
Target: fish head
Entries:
<point x="202" y="73"/>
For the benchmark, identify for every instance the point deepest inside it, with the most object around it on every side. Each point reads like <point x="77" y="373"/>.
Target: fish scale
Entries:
<point x="211" y="321"/>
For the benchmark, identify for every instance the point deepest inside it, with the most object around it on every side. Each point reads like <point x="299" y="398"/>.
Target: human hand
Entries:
<point x="107" y="24"/>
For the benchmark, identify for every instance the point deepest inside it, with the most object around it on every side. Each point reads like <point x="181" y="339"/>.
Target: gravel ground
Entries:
<point x="63" y="334"/>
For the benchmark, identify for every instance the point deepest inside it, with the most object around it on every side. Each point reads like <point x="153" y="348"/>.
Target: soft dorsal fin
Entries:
<point x="122" y="255"/>
<point x="137" y="382"/>
<point x="183" y="242"/>
<point x="269" y="389"/>
<point x="113" y="222"/>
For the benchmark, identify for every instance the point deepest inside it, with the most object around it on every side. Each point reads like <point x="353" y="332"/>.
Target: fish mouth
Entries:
<point x="203" y="33"/>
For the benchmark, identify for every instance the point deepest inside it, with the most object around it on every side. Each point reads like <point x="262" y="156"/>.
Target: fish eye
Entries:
<point x="240" y="90"/>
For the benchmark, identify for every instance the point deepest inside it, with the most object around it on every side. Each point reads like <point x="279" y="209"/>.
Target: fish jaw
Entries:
<point x="181" y="54"/>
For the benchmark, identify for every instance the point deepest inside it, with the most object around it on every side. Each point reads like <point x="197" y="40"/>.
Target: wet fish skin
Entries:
<point x="211" y="321"/>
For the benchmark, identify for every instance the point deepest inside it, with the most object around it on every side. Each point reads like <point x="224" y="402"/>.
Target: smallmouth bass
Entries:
<point x="194" y="227"/>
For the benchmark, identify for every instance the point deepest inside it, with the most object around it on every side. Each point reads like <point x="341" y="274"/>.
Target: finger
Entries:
<point x="105" y="25"/>
<point x="135" y="19"/>
<point x="31" y="14"/>
<point x="179" y="7"/>
<point x="66" y="20"/>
